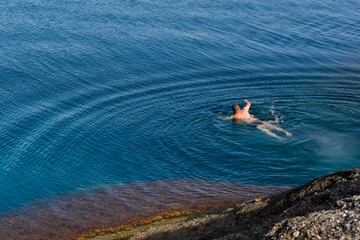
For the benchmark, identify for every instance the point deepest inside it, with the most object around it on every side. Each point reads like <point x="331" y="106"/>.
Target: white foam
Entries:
<point x="276" y="116"/>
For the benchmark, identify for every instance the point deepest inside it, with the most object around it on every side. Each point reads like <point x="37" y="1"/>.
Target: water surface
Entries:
<point x="102" y="93"/>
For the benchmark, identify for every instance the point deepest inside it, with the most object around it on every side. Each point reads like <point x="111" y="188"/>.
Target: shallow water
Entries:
<point x="105" y="209"/>
<point x="103" y="93"/>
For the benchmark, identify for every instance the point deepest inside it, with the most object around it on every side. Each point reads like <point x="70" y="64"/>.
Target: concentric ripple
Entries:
<point x="96" y="94"/>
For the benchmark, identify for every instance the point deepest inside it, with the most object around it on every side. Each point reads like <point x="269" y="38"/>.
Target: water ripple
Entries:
<point x="97" y="93"/>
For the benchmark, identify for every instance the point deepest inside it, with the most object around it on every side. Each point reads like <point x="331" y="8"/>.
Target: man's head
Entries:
<point x="236" y="108"/>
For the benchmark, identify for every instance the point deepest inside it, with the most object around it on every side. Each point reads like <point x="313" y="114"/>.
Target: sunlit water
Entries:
<point x="101" y="93"/>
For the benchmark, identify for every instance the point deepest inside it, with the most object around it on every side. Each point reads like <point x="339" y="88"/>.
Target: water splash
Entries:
<point x="276" y="116"/>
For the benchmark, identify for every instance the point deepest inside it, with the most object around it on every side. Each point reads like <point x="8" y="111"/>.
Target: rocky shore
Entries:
<point x="325" y="208"/>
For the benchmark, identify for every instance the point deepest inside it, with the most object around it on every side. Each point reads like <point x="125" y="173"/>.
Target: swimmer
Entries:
<point x="243" y="116"/>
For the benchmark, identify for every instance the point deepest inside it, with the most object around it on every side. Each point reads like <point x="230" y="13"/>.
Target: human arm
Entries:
<point x="226" y="118"/>
<point x="247" y="106"/>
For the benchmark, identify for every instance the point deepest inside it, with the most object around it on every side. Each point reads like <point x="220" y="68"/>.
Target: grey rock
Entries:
<point x="325" y="208"/>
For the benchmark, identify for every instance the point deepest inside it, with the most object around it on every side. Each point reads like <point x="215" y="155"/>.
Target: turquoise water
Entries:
<point x="98" y="93"/>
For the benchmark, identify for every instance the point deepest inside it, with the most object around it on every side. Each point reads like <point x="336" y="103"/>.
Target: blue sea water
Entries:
<point x="96" y="93"/>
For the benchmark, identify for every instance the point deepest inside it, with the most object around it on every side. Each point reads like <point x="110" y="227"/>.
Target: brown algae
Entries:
<point x="120" y="208"/>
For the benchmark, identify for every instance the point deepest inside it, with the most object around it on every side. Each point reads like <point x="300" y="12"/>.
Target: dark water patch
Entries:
<point x="75" y="214"/>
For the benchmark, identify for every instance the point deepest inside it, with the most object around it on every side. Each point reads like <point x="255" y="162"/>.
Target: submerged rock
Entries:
<point x="325" y="208"/>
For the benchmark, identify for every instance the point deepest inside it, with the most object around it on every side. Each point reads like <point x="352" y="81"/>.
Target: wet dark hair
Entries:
<point x="235" y="108"/>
